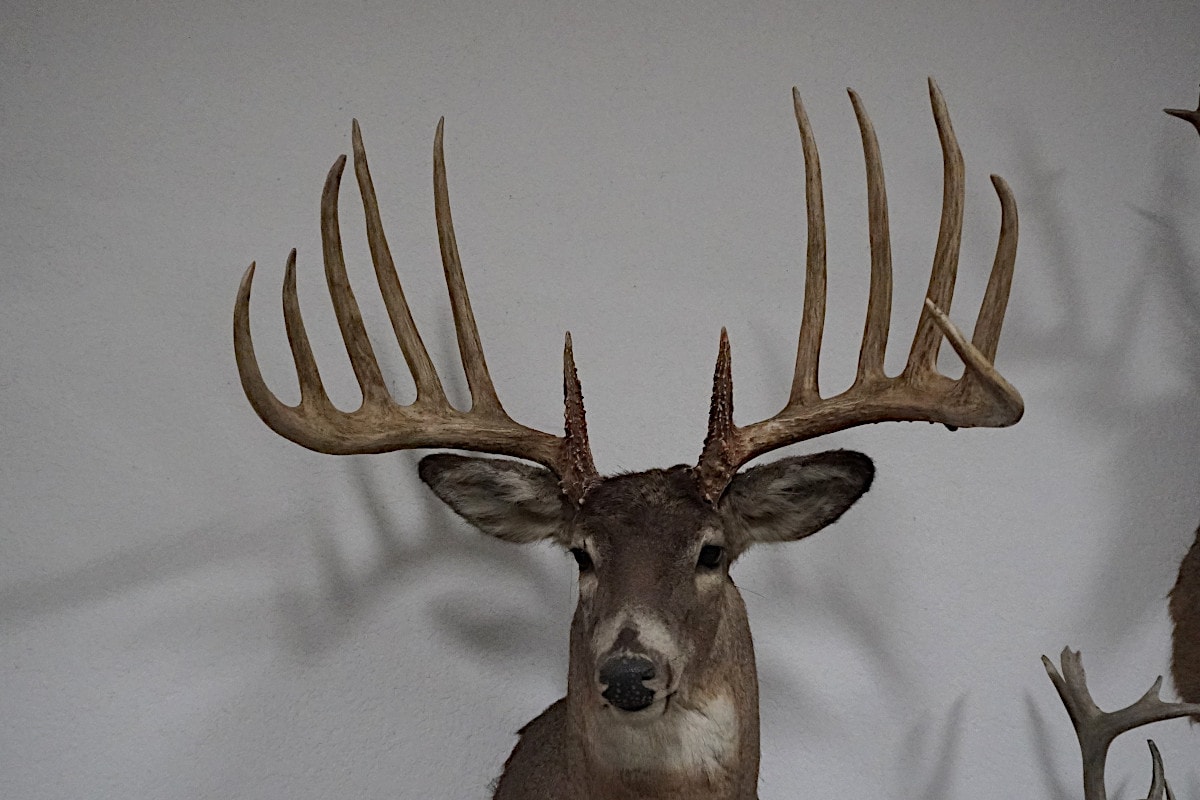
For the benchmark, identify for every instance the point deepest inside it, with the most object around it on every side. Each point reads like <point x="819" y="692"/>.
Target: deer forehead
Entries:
<point x="654" y="541"/>
<point x="653" y="511"/>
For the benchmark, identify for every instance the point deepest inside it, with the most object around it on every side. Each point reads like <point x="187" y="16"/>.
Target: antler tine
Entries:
<point x="1187" y="115"/>
<point x="1096" y="729"/>
<point x="1002" y="405"/>
<point x="720" y="458"/>
<point x="428" y="384"/>
<point x="580" y="474"/>
<point x="345" y="307"/>
<point x="879" y="300"/>
<point x="312" y="391"/>
<point x="1159" y="788"/>
<point x="922" y="358"/>
<point x="995" y="299"/>
<point x="483" y="394"/>
<point x="812" y="323"/>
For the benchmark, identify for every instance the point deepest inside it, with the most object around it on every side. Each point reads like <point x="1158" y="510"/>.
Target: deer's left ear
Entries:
<point x="794" y="497"/>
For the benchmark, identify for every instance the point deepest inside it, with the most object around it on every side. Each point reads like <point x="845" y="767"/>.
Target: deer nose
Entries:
<point x="624" y="678"/>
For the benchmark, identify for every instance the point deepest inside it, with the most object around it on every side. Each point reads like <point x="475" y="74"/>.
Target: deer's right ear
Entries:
<point x="511" y="500"/>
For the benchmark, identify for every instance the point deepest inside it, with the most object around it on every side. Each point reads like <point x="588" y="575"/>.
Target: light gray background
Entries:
<point x="193" y="607"/>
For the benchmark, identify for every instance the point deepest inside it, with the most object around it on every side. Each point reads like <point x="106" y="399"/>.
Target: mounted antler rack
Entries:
<point x="1097" y="729"/>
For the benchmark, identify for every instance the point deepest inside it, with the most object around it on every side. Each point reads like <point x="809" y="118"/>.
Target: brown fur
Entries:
<point x="1185" y="612"/>
<point x="537" y="767"/>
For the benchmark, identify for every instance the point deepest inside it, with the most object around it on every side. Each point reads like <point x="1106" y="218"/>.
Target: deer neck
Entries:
<point x="705" y="743"/>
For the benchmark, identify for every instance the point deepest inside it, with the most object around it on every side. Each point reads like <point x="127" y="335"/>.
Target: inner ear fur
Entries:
<point x="794" y="497"/>
<point x="511" y="500"/>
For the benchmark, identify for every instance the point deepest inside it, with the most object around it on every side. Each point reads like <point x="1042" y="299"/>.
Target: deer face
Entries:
<point x="656" y="601"/>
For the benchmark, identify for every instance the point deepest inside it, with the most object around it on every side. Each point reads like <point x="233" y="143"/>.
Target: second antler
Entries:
<point x="1097" y="729"/>
<point x="980" y="398"/>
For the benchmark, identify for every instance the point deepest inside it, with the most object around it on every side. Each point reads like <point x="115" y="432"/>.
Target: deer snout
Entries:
<point x="624" y="678"/>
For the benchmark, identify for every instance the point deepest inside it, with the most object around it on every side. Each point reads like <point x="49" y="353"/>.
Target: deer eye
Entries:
<point x="582" y="559"/>
<point x="711" y="556"/>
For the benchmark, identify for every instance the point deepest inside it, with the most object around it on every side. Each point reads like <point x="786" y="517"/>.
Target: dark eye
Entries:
<point x="582" y="559"/>
<point x="711" y="556"/>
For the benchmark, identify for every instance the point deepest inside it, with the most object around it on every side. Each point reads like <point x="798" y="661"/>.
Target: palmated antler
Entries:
<point x="980" y="398"/>
<point x="380" y="424"/>
<point x="1097" y="729"/>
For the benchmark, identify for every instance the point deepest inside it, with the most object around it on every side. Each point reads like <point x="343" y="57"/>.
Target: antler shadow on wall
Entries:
<point x="495" y="632"/>
<point x="1157" y="457"/>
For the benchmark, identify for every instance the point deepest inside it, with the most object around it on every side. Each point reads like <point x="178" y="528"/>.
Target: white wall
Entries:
<point x="193" y="607"/>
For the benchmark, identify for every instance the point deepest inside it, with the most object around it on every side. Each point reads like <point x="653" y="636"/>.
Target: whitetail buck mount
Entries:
<point x="662" y="692"/>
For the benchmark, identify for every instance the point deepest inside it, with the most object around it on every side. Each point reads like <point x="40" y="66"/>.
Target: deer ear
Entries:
<point x="795" y="497"/>
<point x="510" y="500"/>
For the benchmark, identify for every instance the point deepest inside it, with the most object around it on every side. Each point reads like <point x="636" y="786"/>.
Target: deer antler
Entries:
<point x="1097" y="729"/>
<point x="380" y="424"/>
<point x="1187" y="115"/>
<point x="1159" y="788"/>
<point x="980" y="398"/>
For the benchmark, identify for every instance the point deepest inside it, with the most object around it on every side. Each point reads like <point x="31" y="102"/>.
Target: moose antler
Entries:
<point x="1097" y="729"/>
<point x="980" y="398"/>
<point x="380" y="424"/>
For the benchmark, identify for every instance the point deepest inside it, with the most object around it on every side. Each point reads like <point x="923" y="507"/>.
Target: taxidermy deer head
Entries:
<point x="662" y="694"/>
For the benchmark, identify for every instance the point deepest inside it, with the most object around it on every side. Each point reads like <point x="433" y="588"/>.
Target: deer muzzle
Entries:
<point x="634" y="666"/>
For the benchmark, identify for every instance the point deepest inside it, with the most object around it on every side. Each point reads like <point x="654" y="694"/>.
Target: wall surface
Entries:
<point x="193" y="607"/>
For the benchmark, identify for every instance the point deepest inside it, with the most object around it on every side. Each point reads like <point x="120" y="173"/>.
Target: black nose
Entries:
<point x="624" y="676"/>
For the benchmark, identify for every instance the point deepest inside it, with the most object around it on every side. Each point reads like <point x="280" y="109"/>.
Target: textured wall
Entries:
<point x="192" y="607"/>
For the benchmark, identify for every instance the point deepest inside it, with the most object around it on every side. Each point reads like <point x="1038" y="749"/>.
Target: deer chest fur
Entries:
<point x="694" y="747"/>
